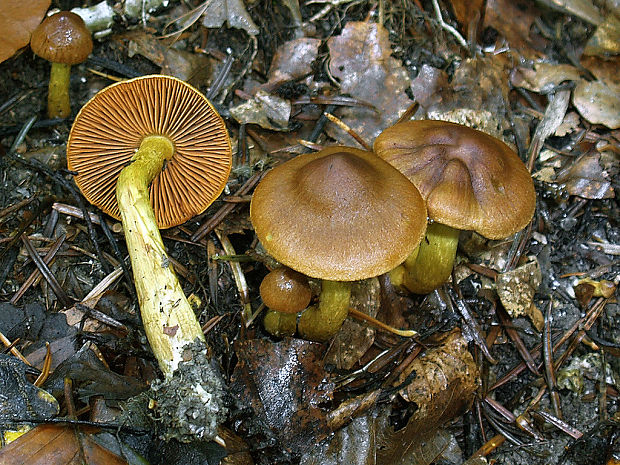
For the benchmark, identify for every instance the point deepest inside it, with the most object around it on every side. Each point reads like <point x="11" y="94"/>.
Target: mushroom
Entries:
<point x="64" y="40"/>
<point x="338" y="215"/>
<point x="285" y="292"/>
<point x="469" y="180"/>
<point x="157" y="131"/>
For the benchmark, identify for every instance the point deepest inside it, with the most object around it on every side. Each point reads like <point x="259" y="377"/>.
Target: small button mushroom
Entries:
<point x="338" y="215"/>
<point x="285" y="292"/>
<point x="469" y="180"/>
<point x="64" y="40"/>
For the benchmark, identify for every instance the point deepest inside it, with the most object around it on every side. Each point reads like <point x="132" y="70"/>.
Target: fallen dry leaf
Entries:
<point x="444" y="387"/>
<point x="586" y="178"/>
<point x="513" y="19"/>
<point x="467" y="11"/>
<point x="516" y="289"/>
<point x="361" y="60"/>
<point x="293" y="60"/>
<point x="605" y="70"/>
<point x="584" y="9"/>
<point x="194" y="68"/>
<point x="431" y="87"/>
<point x="267" y="110"/>
<point x="480" y="84"/>
<point x="588" y="288"/>
<point x="58" y="445"/>
<point x="17" y="23"/>
<point x="231" y="11"/>
<point x="606" y="39"/>
<point x="543" y="77"/>
<point x="598" y="103"/>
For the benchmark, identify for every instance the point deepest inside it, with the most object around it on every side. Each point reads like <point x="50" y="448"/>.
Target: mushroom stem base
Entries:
<point x="58" y="101"/>
<point x="280" y="324"/>
<point x="169" y="321"/>
<point x="434" y="261"/>
<point x="322" y="321"/>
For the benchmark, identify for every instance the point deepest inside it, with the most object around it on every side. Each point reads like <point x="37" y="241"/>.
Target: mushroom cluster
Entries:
<point x="469" y="180"/>
<point x="154" y="152"/>
<point x="338" y="215"/>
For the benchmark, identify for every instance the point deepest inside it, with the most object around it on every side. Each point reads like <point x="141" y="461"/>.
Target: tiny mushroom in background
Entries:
<point x="64" y="40"/>
<point x="338" y="215"/>
<point x="153" y="151"/>
<point x="469" y="180"/>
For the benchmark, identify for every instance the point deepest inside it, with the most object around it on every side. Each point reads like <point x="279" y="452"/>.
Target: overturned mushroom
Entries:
<point x="153" y="151"/>
<point x="469" y="180"/>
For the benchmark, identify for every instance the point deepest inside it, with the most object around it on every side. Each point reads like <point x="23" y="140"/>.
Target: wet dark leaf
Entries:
<point x="92" y="377"/>
<point x="20" y="399"/>
<point x="284" y="383"/>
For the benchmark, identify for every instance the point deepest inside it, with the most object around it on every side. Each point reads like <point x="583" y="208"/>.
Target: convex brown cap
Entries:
<point x="285" y="290"/>
<point x="340" y="214"/>
<point x="470" y="180"/>
<point x="110" y="127"/>
<point x="62" y="38"/>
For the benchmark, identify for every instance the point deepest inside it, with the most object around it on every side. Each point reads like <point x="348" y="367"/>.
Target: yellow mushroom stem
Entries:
<point x="58" y="101"/>
<point x="430" y="265"/>
<point x="280" y="324"/>
<point x="169" y="321"/>
<point x="321" y="321"/>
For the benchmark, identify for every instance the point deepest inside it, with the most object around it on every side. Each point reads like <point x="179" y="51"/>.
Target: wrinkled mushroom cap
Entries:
<point x="340" y="214"/>
<point x="470" y="180"/>
<point x="110" y="127"/>
<point x="62" y="38"/>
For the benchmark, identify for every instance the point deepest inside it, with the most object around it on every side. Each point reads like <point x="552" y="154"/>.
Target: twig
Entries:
<point x="11" y="346"/>
<point x="217" y="218"/>
<point x="36" y="273"/>
<point x="471" y="324"/>
<point x="64" y="299"/>
<point x="242" y="285"/>
<point x="506" y="323"/>
<point x="459" y="38"/>
<point x="548" y="363"/>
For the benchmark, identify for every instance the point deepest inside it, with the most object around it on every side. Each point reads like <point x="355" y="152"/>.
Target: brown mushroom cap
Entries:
<point x="110" y="127"/>
<point x="62" y="38"/>
<point x="285" y="290"/>
<point x="340" y="214"/>
<point x="470" y="180"/>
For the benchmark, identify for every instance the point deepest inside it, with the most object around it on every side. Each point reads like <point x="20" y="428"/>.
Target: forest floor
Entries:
<point x="516" y="358"/>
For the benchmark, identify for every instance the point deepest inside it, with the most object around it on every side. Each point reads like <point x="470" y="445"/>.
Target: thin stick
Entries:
<point x="380" y="325"/>
<point x="459" y="38"/>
